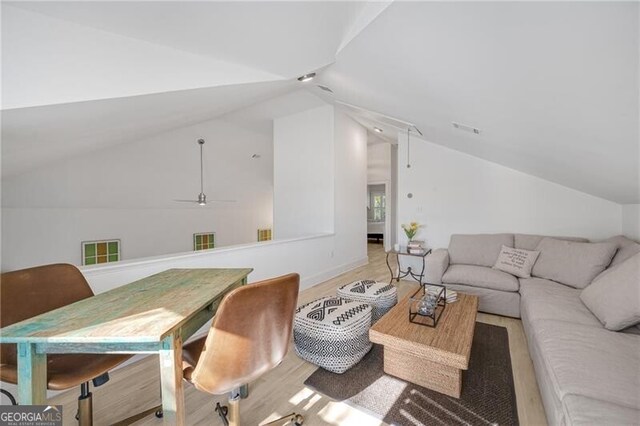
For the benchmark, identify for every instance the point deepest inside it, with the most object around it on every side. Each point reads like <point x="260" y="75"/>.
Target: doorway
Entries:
<point x="379" y="213"/>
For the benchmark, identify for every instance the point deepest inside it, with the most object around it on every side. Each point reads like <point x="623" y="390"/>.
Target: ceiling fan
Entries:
<point x="202" y="198"/>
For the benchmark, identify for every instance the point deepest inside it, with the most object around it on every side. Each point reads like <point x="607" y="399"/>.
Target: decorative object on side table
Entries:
<point x="411" y="229"/>
<point x="416" y="247"/>
<point x="427" y="305"/>
<point x="403" y="251"/>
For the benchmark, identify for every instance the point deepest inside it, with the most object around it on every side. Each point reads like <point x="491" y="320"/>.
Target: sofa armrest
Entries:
<point x="436" y="264"/>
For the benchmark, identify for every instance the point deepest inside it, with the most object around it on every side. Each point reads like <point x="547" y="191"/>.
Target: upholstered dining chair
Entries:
<point x="29" y="292"/>
<point x="249" y="336"/>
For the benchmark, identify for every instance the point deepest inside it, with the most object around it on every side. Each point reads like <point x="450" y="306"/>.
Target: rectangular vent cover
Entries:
<point x="466" y="128"/>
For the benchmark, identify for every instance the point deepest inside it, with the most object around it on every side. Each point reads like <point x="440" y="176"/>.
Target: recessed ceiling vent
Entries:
<point x="466" y="128"/>
<point x="325" y="88"/>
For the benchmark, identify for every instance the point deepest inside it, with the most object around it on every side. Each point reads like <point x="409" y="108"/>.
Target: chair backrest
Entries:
<point x="249" y="336"/>
<point x="29" y="292"/>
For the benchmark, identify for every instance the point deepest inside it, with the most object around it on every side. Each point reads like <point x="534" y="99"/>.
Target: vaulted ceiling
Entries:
<point x="552" y="86"/>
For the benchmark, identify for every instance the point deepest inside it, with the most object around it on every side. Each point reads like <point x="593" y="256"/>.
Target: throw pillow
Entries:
<point x="571" y="263"/>
<point x="531" y="241"/>
<point x="477" y="249"/>
<point x="614" y="298"/>
<point x="626" y="249"/>
<point x="516" y="262"/>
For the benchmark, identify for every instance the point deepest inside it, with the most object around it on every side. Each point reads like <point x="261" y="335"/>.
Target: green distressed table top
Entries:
<point x="146" y="310"/>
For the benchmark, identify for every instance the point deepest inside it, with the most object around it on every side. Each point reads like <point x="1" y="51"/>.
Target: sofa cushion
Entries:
<point x="477" y="249"/>
<point x="626" y="249"/>
<point x="542" y="299"/>
<point x="572" y="263"/>
<point x="505" y="303"/>
<point x="480" y="276"/>
<point x="530" y="241"/>
<point x="589" y="361"/>
<point x="634" y="329"/>
<point x="580" y="410"/>
<point x="516" y="262"/>
<point x="614" y="297"/>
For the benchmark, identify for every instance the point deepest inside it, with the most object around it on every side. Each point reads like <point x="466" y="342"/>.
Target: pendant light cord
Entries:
<point x="201" y="170"/>
<point x="408" y="148"/>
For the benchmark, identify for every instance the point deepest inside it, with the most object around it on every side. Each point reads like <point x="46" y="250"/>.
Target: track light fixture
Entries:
<point x="307" y="77"/>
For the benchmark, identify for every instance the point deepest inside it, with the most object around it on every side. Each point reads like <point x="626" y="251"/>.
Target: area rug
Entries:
<point x="488" y="396"/>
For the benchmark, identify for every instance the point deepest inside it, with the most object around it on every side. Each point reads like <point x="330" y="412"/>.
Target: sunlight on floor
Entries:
<point x="312" y="402"/>
<point x="301" y="396"/>
<point x="339" y="413"/>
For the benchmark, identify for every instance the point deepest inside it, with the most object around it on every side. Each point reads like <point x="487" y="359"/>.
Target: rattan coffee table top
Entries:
<point x="449" y="343"/>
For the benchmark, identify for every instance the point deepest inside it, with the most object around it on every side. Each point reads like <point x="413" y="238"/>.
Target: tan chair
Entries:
<point x="30" y="292"/>
<point x="249" y="336"/>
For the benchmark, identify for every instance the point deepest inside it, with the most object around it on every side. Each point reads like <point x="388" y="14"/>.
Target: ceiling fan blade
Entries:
<point x="186" y="201"/>
<point x="222" y="201"/>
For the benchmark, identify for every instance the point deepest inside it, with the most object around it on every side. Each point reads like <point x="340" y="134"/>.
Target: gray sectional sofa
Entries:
<point x="587" y="373"/>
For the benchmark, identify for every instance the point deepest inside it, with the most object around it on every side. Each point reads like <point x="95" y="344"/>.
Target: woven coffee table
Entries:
<point x="430" y="357"/>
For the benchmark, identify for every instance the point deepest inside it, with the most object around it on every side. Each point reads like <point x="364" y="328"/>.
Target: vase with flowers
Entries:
<point x="411" y="229"/>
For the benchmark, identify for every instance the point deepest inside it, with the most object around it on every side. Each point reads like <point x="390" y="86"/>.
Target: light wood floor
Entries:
<point x="135" y="388"/>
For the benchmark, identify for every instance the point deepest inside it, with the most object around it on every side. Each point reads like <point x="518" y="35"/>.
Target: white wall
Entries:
<point x="127" y="192"/>
<point x="379" y="162"/>
<point x="303" y="158"/>
<point x="458" y="193"/>
<point x="394" y="195"/>
<point x="50" y="61"/>
<point x="631" y="221"/>
<point x="350" y="189"/>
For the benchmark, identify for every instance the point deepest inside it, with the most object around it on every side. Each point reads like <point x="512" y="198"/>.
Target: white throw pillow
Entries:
<point x="614" y="297"/>
<point x="516" y="262"/>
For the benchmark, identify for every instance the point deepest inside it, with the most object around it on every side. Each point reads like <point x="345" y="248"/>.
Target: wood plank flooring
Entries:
<point x="136" y="387"/>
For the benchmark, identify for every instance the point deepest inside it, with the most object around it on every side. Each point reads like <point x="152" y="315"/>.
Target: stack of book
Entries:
<point x="415" y="247"/>
<point x="452" y="295"/>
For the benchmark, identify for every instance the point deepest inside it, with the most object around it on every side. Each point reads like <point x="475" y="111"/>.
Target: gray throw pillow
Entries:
<point x="531" y="241"/>
<point x="626" y="249"/>
<point x="571" y="263"/>
<point x="477" y="249"/>
<point x="516" y="262"/>
<point x="614" y="298"/>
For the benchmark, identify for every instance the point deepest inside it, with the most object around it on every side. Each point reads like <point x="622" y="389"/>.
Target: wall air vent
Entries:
<point x="466" y="128"/>
<point x="325" y="88"/>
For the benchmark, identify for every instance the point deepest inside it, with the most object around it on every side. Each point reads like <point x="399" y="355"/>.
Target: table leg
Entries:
<point x="390" y="270"/>
<point x="32" y="375"/>
<point x="171" y="378"/>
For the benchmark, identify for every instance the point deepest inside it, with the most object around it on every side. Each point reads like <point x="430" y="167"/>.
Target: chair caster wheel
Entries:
<point x="77" y="416"/>
<point x="298" y="420"/>
<point x="159" y="414"/>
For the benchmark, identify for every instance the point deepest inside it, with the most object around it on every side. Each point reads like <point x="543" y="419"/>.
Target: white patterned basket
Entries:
<point x="332" y="333"/>
<point x="381" y="296"/>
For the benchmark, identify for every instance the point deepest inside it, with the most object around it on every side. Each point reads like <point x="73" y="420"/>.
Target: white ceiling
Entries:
<point x="76" y="128"/>
<point x="552" y="85"/>
<point x="286" y="38"/>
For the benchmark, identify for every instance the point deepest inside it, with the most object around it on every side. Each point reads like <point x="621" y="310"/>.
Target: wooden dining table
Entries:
<point x="154" y="315"/>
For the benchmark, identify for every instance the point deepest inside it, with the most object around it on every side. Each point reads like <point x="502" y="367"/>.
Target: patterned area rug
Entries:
<point x="488" y="396"/>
